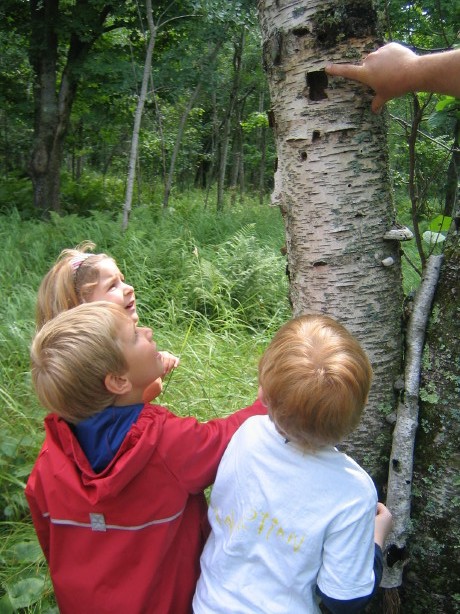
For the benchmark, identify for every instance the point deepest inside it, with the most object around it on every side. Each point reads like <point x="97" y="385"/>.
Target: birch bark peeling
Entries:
<point x="332" y="187"/>
<point x="402" y="453"/>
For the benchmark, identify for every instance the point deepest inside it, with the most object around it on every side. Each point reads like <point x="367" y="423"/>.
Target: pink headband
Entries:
<point x="77" y="261"/>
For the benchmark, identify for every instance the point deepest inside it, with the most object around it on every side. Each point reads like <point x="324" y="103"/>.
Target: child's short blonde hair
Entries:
<point x="69" y="282"/>
<point x="71" y="356"/>
<point x="315" y="378"/>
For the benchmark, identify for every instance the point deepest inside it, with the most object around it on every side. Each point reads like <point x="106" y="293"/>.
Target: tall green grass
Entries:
<point x="214" y="289"/>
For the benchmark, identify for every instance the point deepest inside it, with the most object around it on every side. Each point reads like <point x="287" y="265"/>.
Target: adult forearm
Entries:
<point x="438" y="72"/>
<point x="394" y="70"/>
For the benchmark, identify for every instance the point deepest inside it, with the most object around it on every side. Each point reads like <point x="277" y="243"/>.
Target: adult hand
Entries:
<point x="387" y="71"/>
<point x="394" y="70"/>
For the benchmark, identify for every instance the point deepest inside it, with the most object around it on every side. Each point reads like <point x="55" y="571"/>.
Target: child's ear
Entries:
<point x="117" y="384"/>
<point x="261" y="397"/>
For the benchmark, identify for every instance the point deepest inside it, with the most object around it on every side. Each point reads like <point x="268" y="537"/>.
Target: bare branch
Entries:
<point x="402" y="452"/>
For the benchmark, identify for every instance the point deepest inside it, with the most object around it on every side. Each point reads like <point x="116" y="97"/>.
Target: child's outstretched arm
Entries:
<point x="382" y="527"/>
<point x="193" y="450"/>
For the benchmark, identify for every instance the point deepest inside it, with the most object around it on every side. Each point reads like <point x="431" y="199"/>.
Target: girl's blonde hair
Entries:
<point x="71" y="356"/>
<point x="69" y="282"/>
<point x="315" y="378"/>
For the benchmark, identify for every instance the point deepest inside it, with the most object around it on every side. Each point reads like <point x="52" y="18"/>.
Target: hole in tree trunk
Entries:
<point x="316" y="136"/>
<point x="317" y="83"/>
<point x="394" y="554"/>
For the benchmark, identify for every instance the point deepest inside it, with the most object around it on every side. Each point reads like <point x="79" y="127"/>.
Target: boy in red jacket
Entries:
<point x="116" y="493"/>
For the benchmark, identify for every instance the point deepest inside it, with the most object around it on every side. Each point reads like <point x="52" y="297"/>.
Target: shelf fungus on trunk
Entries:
<point x="398" y="233"/>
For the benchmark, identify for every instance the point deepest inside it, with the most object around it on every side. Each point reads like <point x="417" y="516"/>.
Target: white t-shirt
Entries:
<point x="284" y="521"/>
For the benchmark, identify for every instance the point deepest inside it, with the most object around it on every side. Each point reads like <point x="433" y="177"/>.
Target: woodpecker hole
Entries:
<point x="317" y="83"/>
<point x="394" y="555"/>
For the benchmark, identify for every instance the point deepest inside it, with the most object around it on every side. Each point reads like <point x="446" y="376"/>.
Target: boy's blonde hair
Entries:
<point x="315" y="378"/>
<point x="69" y="282"/>
<point x="71" y="356"/>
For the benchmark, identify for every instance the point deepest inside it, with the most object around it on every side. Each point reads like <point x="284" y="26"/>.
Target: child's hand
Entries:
<point x="383" y="524"/>
<point x="170" y="362"/>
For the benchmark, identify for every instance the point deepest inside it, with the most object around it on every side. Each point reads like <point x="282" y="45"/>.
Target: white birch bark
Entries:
<point x="333" y="190"/>
<point x="138" y="117"/>
<point x="402" y="452"/>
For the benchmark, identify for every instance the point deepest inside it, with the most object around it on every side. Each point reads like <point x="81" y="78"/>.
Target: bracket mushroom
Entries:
<point x="398" y="233"/>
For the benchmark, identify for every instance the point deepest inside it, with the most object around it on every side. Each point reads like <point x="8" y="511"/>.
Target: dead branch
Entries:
<point x="401" y="459"/>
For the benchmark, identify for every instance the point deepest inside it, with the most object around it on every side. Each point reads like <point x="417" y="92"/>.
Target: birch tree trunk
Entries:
<point x="332" y="187"/>
<point x="138" y="117"/>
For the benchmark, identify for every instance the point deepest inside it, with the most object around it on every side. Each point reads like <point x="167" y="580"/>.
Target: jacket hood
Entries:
<point x="72" y="470"/>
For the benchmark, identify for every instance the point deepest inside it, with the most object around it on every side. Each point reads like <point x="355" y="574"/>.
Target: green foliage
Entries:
<point x="155" y="145"/>
<point x="429" y="395"/>
<point x="234" y="274"/>
<point x="15" y="194"/>
<point x="209" y="264"/>
<point x="94" y="192"/>
<point x="255" y="120"/>
<point x="441" y="223"/>
<point x="423" y="25"/>
<point x="101" y="122"/>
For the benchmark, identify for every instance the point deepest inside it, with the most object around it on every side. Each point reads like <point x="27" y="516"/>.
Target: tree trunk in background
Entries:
<point x="138" y="117"/>
<point x="114" y="149"/>
<point x="333" y="190"/>
<point x="159" y="121"/>
<point x="237" y="174"/>
<point x="208" y="61"/>
<point x="51" y="118"/>
<point x="237" y="158"/>
<point x="211" y="152"/>
<point x="52" y="100"/>
<point x="263" y="154"/>
<point x="237" y="56"/>
<point x="177" y="144"/>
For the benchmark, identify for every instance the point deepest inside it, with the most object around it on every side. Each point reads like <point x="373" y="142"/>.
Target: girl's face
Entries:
<point x="112" y="287"/>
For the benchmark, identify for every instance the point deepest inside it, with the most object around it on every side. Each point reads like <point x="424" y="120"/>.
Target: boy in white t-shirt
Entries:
<point x="294" y="521"/>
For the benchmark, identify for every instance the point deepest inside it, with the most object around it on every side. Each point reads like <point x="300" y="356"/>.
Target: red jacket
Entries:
<point x="128" y="539"/>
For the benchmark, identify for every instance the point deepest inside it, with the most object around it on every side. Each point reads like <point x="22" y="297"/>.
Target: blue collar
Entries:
<point x="101" y="435"/>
